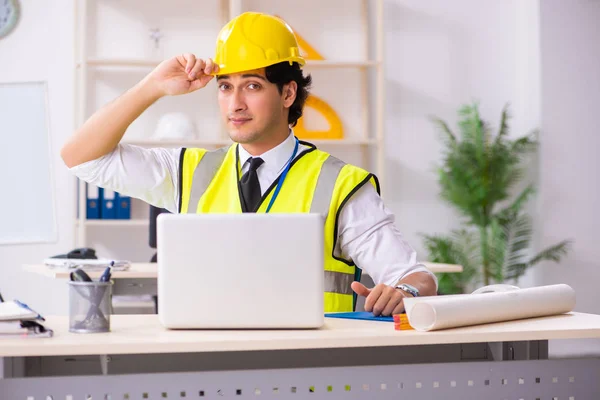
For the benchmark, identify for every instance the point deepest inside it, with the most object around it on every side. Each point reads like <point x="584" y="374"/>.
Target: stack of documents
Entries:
<point x="18" y="320"/>
<point x="86" y="264"/>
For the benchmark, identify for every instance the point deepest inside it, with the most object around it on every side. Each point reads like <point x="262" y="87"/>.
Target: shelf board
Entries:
<point x="136" y="63"/>
<point x="221" y="143"/>
<point x="114" y="222"/>
<point x="120" y="62"/>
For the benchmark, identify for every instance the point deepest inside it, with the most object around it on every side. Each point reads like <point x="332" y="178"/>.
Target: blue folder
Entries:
<point x="364" y="315"/>
<point x="123" y="205"/>
<point x="109" y="209"/>
<point x="93" y="201"/>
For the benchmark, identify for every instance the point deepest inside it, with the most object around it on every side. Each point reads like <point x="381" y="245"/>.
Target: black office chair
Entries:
<point x="357" y="276"/>
<point x="154" y="213"/>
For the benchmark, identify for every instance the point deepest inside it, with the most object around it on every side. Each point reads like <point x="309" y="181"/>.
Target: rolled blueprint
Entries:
<point x="441" y="312"/>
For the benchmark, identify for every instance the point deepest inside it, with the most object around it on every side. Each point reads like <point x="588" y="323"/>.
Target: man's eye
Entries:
<point x="223" y="86"/>
<point x="253" y="86"/>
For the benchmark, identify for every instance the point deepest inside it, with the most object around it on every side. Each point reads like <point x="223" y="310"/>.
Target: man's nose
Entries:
<point x="236" y="102"/>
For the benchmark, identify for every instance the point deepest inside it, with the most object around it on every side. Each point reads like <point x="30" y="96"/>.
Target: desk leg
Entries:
<point x="12" y="367"/>
<point x="104" y="360"/>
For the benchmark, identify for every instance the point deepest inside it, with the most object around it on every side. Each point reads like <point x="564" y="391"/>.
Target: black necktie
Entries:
<point x="250" y="186"/>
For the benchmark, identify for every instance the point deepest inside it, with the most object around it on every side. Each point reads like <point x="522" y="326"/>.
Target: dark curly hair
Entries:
<point x="283" y="73"/>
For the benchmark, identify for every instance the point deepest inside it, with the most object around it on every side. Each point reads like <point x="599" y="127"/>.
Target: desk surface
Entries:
<point x="143" y="334"/>
<point x="149" y="270"/>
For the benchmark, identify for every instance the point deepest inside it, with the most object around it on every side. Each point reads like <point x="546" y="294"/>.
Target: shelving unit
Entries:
<point x="114" y="222"/>
<point x="368" y="142"/>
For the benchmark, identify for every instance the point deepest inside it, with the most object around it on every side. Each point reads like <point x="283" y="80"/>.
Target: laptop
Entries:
<point x="240" y="271"/>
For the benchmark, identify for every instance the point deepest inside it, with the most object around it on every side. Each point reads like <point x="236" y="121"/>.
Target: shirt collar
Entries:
<point x="276" y="158"/>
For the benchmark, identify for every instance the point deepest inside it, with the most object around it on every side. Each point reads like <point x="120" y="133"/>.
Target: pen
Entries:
<point x="107" y="272"/>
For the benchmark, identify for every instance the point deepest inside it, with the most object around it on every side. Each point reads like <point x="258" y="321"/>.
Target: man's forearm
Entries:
<point x="103" y="131"/>
<point x="423" y="281"/>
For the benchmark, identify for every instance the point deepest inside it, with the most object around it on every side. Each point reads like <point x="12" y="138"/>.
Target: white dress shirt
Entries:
<point x="367" y="232"/>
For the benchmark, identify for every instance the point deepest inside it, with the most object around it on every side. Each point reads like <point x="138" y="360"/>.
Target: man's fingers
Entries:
<point x="399" y="308"/>
<point x="208" y="66"/>
<point x="190" y="62"/>
<point x="395" y="301"/>
<point x="360" y="289"/>
<point x="373" y="297"/>
<point x="387" y="293"/>
<point x="197" y="69"/>
<point x="201" y="82"/>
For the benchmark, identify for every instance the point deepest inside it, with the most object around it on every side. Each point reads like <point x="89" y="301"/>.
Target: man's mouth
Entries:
<point x="239" y="121"/>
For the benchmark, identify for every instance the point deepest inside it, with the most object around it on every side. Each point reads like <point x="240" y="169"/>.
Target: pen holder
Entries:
<point x="89" y="306"/>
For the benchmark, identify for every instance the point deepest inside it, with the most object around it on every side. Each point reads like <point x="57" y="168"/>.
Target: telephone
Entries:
<point x="83" y="253"/>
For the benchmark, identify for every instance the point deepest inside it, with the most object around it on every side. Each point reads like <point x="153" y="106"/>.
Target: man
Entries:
<point x="261" y="93"/>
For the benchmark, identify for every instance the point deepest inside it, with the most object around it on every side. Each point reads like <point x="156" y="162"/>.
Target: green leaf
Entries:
<point x="461" y="248"/>
<point x="518" y="233"/>
<point x="552" y="253"/>
<point x="497" y="249"/>
<point x="525" y="144"/>
<point x="448" y="284"/>
<point x="449" y="138"/>
<point x="516" y="206"/>
<point x="503" y="130"/>
<point x="522" y="198"/>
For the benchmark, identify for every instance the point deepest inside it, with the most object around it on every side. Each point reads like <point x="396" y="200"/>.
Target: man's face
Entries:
<point x="251" y="106"/>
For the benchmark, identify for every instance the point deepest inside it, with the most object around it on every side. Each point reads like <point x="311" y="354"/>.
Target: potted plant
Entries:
<point x="478" y="172"/>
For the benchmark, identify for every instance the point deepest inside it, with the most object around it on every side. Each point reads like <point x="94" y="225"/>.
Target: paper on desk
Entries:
<point x="16" y="311"/>
<point x="441" y="312"/>
<point x="90" y="264"/>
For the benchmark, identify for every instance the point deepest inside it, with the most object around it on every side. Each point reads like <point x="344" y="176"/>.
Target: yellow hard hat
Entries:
<point x="255" y="40"/>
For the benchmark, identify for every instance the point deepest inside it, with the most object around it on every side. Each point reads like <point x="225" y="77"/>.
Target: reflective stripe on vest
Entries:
<point x="325" y="184"/>
<point x="338" y="282"/>
<point x="335" y="282"/>
<point x="203" y="175"/>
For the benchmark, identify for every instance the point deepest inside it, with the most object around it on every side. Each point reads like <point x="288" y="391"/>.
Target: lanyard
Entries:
<point x="282" y="177"/>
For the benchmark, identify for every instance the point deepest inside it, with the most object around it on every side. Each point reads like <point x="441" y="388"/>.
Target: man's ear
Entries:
<point x="289" y="93"/>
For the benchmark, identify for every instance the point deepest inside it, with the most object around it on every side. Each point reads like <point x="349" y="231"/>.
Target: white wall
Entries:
<point x="439" y="56"/>
<point x="569" y="163"/>
<point x="41" y="49"/>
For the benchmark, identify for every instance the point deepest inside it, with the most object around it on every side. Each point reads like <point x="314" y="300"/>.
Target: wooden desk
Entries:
<point x="141" y="334"/>
<point x="343" y="360"/>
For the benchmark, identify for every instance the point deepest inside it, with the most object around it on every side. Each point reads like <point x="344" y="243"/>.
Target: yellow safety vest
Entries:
<point x="316" y="182"/>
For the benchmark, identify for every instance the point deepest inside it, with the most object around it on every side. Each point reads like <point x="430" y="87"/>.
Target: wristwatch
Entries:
<point x="410" y="289"/>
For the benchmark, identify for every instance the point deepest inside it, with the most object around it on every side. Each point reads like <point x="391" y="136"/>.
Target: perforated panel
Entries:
<point x="514" y="380"/>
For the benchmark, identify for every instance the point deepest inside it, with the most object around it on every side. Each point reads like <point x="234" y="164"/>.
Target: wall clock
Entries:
<point x="9" y="16"/>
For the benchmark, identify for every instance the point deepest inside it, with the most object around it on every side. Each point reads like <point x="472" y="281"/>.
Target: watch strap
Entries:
<point x="410" y="289"/>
